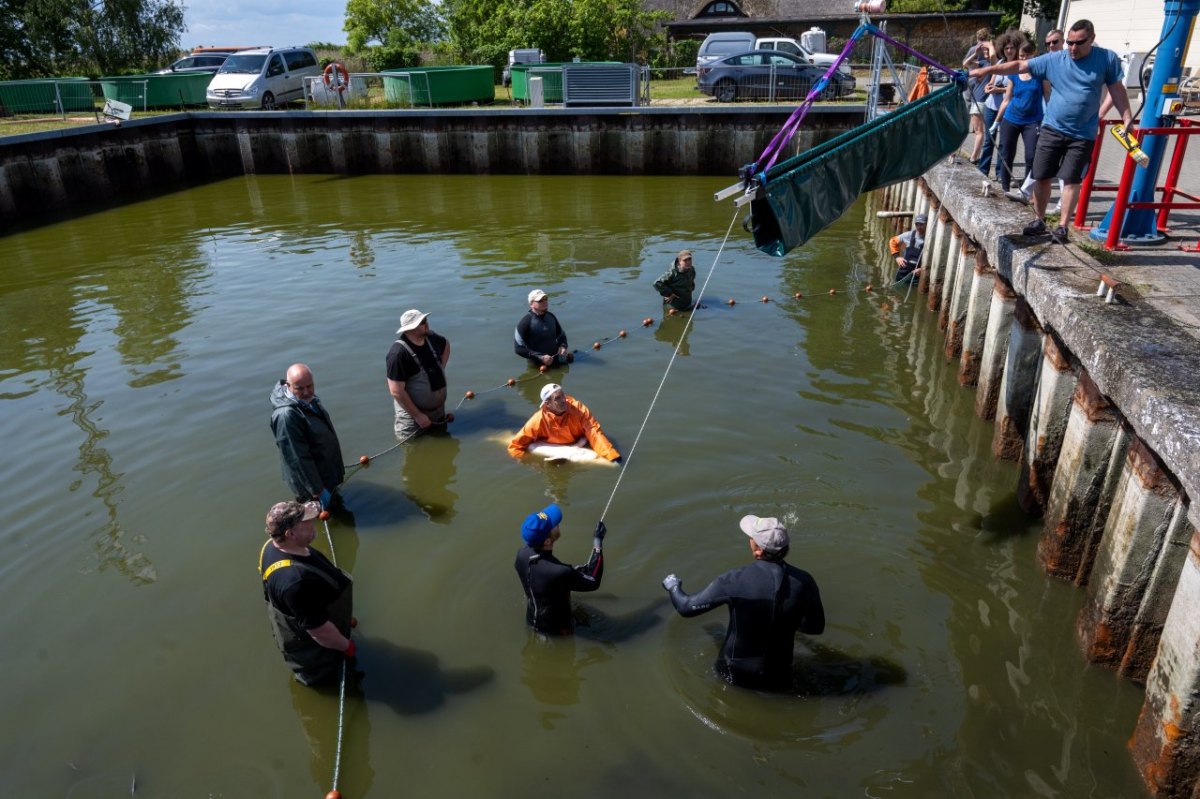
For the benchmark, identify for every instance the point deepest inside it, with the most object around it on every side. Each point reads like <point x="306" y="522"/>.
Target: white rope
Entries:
<point x="337" y="757"/>
<point x="667" y="371"/>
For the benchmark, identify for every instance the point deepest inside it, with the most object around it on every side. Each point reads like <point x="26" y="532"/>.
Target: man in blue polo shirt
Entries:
<point x="1078" y="76"/>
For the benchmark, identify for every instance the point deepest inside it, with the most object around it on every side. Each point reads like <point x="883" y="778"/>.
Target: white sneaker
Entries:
<point x="1017" y="196"/>
<point x="1057" y="209"/>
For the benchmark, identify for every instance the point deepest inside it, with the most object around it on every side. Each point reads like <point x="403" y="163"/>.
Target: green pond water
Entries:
<point x="137" y="353"/>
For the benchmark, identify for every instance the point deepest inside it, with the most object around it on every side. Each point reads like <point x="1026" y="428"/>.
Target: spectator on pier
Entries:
<point x="1078" y="78"/>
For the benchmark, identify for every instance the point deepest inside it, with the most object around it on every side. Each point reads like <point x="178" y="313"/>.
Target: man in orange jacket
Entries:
<point x="562" y="420"/>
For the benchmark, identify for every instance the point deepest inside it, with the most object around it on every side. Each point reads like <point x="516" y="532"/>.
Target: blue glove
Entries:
<point x="326" y="498"/>
<point x="671" y="582"/>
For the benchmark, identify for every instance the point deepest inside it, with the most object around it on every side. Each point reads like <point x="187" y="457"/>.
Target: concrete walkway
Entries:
<point x="1162" y="275"/>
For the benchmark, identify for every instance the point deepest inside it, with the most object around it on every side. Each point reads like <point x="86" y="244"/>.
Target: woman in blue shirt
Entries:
<point x="1021" y="116"/>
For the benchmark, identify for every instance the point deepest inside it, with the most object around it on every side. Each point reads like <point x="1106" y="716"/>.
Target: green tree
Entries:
<point x="392" y="23"/>
<point x="47" y="38"/>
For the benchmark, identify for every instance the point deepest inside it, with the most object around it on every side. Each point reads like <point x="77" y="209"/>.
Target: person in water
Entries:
<point x="677" y="283"/>
<point x="906" y="250"/>
<point x="562" y="420"/>
<point x="769" y="602"/>
<point x="547" y="581"/>
<point x="539" y="337"/>
<point x="309" y="600"/>
<point x="416" y="376"/>
<point x="309" y="451"/>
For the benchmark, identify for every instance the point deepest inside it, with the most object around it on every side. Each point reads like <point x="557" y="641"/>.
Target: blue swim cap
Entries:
<point x="537" y="526"/>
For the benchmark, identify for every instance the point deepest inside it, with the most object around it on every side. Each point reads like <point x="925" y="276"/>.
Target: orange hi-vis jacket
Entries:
<point x="564" y="428"/>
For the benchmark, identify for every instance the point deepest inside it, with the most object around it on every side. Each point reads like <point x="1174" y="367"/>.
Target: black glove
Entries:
<point x="598" y="538"/>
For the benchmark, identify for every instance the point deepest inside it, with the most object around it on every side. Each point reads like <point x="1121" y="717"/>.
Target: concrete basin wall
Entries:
<point x="64" y="173"/>
<point x="1099" y="404"/>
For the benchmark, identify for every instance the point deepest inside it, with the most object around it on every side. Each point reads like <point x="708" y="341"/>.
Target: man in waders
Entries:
<point x="308" y="445"/>
<point x="416" y="375"/>
<point x="677" y="283"/>
<point x="906" y="250"/>
<point x="769" y="602"/>
<point x="308" y="598"/>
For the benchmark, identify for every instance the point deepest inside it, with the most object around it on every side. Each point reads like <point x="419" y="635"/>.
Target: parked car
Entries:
<point x="725" y="43"/>
<point x="265" y="78"/>
<point x="209" y="62"/>
<point x="784" y="45"/>
<point x="767" y="75"/>
<point x="525" y="55"/>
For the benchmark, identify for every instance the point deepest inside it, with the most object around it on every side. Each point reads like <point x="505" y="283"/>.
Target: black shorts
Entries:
<point x="1060" y="156"/>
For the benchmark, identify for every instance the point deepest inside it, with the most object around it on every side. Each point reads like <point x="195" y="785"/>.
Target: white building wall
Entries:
<point x="1121" y="25"/>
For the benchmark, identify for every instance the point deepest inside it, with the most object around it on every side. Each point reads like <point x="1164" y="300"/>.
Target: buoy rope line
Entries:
<point x="667" y="371"/>
<point x="366" y="460"/>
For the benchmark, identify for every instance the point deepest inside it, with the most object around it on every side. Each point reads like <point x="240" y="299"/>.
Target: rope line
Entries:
<point x="337" y="756"/>
<point x="687" y="326"/>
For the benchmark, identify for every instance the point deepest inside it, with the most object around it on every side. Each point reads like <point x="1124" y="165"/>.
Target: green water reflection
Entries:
<point x="137" y="352"/>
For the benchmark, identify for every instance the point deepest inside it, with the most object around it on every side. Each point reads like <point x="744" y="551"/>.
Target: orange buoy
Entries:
<point x="647" y="322"/>
<point x="766" y="298"/>
<point x="364" y="460"/>
<point x="449" y="418"/>
<point x="732" y="302"/>
<point x="596" y="345"/>
<point x="869" y="287"/>
<point x="353" y="622"/>
<point x="621" y="334"/>
<point x="798" y="295"/>
<point x="334" y="795"/>
<point x="832" y="292"/>
<point x="670" y="312"/>
<point x="470" y="395"/>
<point x="323" y="515"/>
<point x="511" y="382"/>
<point x="543" y="368"/>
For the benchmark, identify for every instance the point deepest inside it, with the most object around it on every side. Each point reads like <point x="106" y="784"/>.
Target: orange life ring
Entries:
<point x="342" y="80"/>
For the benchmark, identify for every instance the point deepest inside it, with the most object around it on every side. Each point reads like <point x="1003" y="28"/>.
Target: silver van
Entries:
<point x="264" y="78"/>
<point x="725" y="43"/>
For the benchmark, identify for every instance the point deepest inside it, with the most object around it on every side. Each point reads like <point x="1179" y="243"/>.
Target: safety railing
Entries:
<point x="367" y="90"/>
<point x="29" y="100"/>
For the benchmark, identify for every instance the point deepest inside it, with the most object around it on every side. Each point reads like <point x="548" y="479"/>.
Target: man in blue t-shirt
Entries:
<point x="1078" y="76"/>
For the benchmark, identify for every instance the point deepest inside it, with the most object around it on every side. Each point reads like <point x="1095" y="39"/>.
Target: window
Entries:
<point x="275" y="67"/>
<point x="299" y="59"/>
<point x="720" y="8"/>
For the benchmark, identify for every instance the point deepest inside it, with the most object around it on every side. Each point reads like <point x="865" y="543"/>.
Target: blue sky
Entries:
<point x="278" y="23"/>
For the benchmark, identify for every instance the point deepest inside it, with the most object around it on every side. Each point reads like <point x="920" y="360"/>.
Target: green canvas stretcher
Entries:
<point x="800" y="197"/>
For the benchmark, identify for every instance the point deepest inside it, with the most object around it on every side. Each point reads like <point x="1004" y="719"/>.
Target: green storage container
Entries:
<point x="428" y="86"/>
<point x="44" y="96"/>
<point x="161" y="91"/>
<point x="551" y="75"/>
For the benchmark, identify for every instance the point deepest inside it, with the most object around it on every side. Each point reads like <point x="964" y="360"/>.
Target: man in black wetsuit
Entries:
<point x="309" y="600"/>
<point x="769" y="602"/>
<point x="539" y="337"/>
<point x="548" y="582"/>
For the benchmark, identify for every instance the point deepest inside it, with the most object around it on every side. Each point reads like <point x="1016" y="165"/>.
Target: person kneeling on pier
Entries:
<point x="562" y="420"/>
<point x="906" y="250"/>
<point x="548" y="582"/>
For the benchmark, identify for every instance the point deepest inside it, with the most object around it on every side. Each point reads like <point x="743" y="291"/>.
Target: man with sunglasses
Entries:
<point x="1078" y="77"/>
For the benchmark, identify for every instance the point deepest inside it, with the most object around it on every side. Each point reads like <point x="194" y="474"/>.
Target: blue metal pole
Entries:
<point x="1140" y="226"/>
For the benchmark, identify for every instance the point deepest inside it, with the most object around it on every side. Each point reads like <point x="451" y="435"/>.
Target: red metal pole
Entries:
<point x="1173" y="174"/>
<point x="1085" y="190"/>
<point x="1117" y="221"/>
